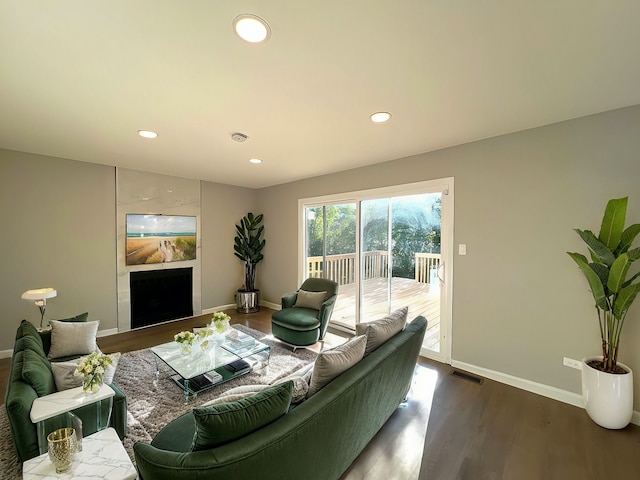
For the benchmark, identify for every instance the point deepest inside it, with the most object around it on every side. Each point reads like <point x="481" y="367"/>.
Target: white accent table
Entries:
<point x="102" y="457"/>
<point x="49" y="406"/>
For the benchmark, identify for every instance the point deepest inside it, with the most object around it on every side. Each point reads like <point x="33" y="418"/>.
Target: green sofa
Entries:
<point x="30" y="353"/>
<point x="318" y="439"/>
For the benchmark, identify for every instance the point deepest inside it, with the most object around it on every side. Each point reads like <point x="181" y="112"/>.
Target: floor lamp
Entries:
<point x="40" y="295"/>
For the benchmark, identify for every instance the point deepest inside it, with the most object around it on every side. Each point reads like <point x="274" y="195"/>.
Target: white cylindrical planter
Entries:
<point x="608" y="397"/>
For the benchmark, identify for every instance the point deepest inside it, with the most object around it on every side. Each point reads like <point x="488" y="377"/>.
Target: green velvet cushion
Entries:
<point x="26" y="329"/>
<point x="36" y="371"/>
<point x="300" y="319"/>
<point x="78" y="318"/>
<point x="30" y="343"/>
<point x="177" y="435"/>
<point x="220" y="424"/>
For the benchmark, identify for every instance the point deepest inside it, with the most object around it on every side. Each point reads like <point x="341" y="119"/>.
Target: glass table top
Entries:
<point x="201" y="361"/>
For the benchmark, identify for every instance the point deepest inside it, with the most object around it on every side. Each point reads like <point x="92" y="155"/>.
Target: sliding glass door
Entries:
<point x="386" y="248"/>
<point x="330" y="239"/>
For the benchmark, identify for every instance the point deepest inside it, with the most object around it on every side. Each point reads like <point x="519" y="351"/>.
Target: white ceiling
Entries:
<point x="79" y="77"/>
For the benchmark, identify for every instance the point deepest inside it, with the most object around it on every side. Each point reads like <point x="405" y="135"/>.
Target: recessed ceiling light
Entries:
<point x="255" y="160"/>
<point x="380" y="117"/>
<point x="251" y="28"/>
<point x="147" y="134"/>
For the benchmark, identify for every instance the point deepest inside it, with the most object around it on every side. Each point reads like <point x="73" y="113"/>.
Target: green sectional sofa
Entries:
<point x="30" y="376"/>
<point x="317" y="439"/>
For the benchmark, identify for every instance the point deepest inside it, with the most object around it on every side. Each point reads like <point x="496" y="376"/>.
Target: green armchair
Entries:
<point x="305" y="314"/>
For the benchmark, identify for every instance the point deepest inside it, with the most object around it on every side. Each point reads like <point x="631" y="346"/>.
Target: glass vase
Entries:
<point x="92" y="383"/>
<point x="205" y="344"/>
<point x="185" y="349"/>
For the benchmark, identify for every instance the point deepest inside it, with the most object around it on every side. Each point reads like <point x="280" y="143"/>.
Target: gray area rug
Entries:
<point x="151" y="405"/>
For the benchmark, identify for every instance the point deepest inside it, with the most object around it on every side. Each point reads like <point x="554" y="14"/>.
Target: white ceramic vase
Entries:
<point x="608" y="397"/>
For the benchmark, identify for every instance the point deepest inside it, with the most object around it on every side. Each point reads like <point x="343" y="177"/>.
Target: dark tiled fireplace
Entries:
<point x="160" y="295"/>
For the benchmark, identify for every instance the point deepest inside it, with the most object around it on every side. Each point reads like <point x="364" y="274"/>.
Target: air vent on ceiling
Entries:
<point x="239" y="137"/>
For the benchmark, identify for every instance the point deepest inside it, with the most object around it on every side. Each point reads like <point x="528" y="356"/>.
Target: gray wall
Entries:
<point x="222" y="273"/>
<point x="58" y="225"/>
<point x="59" y="228"/>
<point x="519" y="303"/>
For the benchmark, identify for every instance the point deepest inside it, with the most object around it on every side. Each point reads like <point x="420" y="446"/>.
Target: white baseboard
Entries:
<point x="272" y="306"/>
<point x="564" y="396"/>
<point x="211" y="311"/>
<point x="6" y="353"/>
<point x="105" y="333"/>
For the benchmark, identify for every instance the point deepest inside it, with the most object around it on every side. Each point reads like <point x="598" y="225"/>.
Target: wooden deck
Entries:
<point x="422" y="299"/>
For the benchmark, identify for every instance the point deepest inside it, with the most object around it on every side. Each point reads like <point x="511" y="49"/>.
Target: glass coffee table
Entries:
<point x="203" y="369"/>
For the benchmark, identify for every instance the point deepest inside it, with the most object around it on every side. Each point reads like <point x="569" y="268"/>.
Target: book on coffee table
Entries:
<point x="206" y="380"/>
<point x="237" y="366"/>
<point x="239" y="339"/>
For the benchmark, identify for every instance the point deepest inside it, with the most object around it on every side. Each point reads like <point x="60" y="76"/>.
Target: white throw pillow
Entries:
<point x="313" y="300"/>
<point x="110" y="371"/>
<point x="332" y="363"/>
<point x="379" y="331"/>
<point x="65" y="377"/>
<point x="73" y="338"/>
<point x="64" y="374"/>
<point x="300" y="379"/>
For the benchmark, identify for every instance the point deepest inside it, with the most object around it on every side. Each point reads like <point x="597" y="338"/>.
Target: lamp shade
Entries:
<point x="39" y="294"/>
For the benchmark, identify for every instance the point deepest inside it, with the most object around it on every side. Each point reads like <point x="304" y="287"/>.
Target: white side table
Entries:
<point x="49" y="406"/>
<point x="103" y="457"/>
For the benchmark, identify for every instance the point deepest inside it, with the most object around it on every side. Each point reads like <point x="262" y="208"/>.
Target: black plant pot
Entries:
<point x="248" y="301"/>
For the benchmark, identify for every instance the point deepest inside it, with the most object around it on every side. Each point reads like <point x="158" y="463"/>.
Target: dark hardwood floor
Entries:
<point x="453" y="429"/>
<point x="497" y="432"/>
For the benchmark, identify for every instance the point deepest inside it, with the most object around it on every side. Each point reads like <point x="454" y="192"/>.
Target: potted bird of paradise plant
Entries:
<point x="248" y="245"/>
<point x="607" y="384"/>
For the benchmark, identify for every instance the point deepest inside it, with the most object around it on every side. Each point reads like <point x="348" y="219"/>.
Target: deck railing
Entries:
<point x="427" y="265"/>
<point x="341" y="268"/>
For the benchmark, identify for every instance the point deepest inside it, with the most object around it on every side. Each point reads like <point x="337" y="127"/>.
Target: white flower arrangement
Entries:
<point x="185" y="337"/>
<point x="92" y="368"/>
<point x="220" y="322"/>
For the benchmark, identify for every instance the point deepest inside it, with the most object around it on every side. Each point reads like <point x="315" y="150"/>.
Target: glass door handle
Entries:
<point x="440" y="269"/>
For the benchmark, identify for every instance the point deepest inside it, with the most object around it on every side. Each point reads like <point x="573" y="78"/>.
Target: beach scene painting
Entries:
<point x="160" y="238"/>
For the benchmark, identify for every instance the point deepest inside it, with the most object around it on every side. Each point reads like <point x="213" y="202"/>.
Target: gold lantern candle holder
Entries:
<point x="63" y="445"/>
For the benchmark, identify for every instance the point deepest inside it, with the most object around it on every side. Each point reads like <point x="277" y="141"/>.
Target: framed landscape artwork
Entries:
<point x="160" y="238"/>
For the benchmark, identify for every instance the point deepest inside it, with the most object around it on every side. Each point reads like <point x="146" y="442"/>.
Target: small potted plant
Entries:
<point x="607" y="385"/>
<point x="248" y="246"/>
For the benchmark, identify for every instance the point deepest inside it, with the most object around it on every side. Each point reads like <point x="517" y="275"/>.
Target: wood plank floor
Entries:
<point x="421" y="298"/>
<point x="475" y="432"/>
<point x="497" y="432"/>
